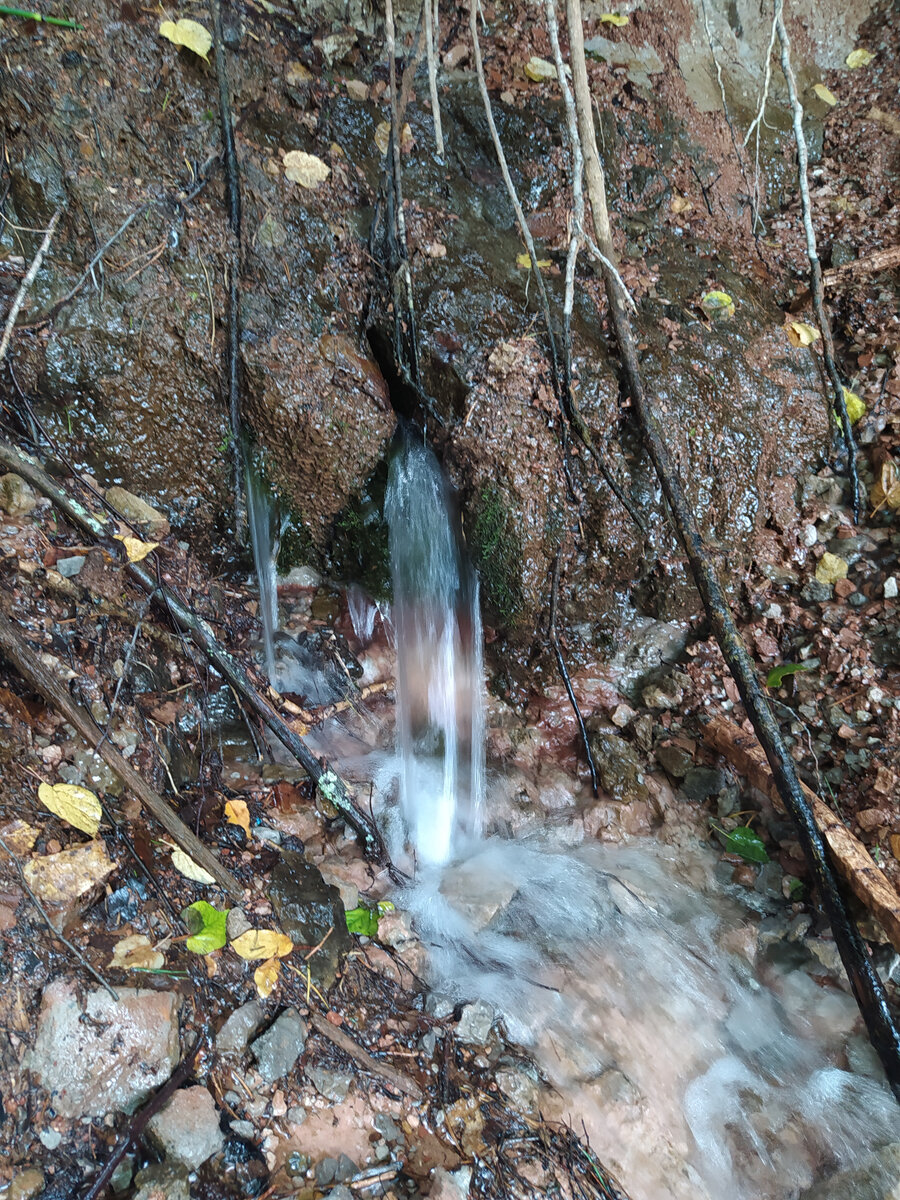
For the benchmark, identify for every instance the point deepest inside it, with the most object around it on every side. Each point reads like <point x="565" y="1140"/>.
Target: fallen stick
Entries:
<point x="25" y="285"/>
<point x="50" y="685"/>
<point x="868" y="882"/>
<point x="328" y="781"/>
<point x="397" y="1080"/>
<point x="869" y="264"/>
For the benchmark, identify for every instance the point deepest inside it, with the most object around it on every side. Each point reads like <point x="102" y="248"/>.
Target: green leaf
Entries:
<point x="207" y="926"/>
<point x="363" y="920"/>
<point x="778" y="674"/>
<point x="747" y="844"/>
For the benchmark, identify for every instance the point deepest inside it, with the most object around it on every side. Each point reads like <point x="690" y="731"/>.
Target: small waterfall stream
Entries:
<point x="264" y="524"/>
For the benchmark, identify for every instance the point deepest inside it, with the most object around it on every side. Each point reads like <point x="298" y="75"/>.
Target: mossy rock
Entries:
<point x="497" y="552"/>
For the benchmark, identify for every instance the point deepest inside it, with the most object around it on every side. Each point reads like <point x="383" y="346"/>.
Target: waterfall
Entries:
<point x="440" y="711"/>
<point x="262" y="514"/>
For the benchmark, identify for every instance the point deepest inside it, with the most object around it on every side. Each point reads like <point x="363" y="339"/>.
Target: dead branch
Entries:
<point x="866" y="985"/>
<point x="25" y="285"/>
<point x="869" y="264"/>
<point x="431" y="54"/>
<point x="869" y="883"/>
<point x="337" y="1036"/>
<point x="815" y="267"/>
<point x="38" y="675"/>
<point x="328" y="781"/>
<point x="563" y="670"/>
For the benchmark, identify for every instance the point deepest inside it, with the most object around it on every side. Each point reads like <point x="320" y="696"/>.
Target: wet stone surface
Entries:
<point x="310" y="912"/>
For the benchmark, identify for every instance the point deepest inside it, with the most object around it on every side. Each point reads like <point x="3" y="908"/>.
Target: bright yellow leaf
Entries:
<point x="75" y="805"/>
<point x="718" y="306"/>
<point x="539" y="69"/>
<point x="237" y="813"/>
<point x="614" y="19"/>
<point x="824" y="94"/>
<point x="801" y="334"/>
<point x="831" y="568"/>
<point x="136" y="953"/>
<point x="524" y="260"/>
<point x="135" y="548"/>
<point x="858" y="58"/>
<point x="185" y="865"/>
<point x="189" y="34"/>
<point x="266" y="977"/>
<point x="262" y="943"/>
<point x="856" y="406"/>
<point x="305" y="169"/>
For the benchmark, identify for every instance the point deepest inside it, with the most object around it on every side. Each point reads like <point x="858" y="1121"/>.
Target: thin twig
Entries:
<point x="431" y="55"/>
<point x="25" y="285"/>
<point x="563" y="670"/>
<point x="56" y="933"/>
<point x="815" y="267"/>
<point x="759" y="121"/>
<point x="396" y="1079"/>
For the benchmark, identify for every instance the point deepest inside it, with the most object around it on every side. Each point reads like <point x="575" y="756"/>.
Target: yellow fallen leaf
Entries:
<point x="801" y="334"/>
<point x="824" y="94"/>
<point x="262" y="943"/>
<point x="539" y="69"/>
<point x="136" y="953"/>
<point x="135" y="548"/>
<point x="856" y="406"/>
<point x="614" y="18"/>
<point x="524" y="260"/>
<point x="305" y="169"/>
<point x="296" y="73"/>
<point x="383" y="136"/>
<point x="75" y="805"/>
<point x="680" y="204"/>
<point x="858" y="58"/>
<point x="237" y="813"/>
<point x="887" y="489"/>
<point x="189" y="34"/>
<point x="718" y="306"/>
<point x="185" y="865"/>
<point x="831" y="568"/>
<point x="266" y="977"/>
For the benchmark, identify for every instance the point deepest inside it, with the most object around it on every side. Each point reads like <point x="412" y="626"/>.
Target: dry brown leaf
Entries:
<point x="136" y="953"/>
<point x="305" y="169"/>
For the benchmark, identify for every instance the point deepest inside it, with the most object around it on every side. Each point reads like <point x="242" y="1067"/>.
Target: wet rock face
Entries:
<point x="308" y="908"/>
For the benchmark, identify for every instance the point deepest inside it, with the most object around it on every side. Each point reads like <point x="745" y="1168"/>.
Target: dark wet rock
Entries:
<point x="335" y="1171"/>
<point x="700" y="783"/>
<point x="666" y="695"/>
<point x="16" y="497"/>
<point x="475" y="1023"/>
<point x="333" y="1085"/>
<point x="619" y="767"/>
<point x="876" y="1179"/>
<point x="675" y="760"/>
<point x="138" y="511"/>
<point x="163" y="1181"/>
<point x="121" y="1178"/>
<point x="97" y="1056"/>
<point x="768" y="881"/>
<point x="70" y="567"/>
<point x="816" y="592"/>
<point x="280" y="1046"/>
<point x="240" y="1027"/>
<point x="187" y="1128"/>
<point x="308" y="908"/>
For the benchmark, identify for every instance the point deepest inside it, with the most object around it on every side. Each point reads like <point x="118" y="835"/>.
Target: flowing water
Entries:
<point x="699" y="1065"/>
<point x="264" y="524"/>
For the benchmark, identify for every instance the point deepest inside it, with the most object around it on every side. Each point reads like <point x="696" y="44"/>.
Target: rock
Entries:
<point x="439" y="1005"/>
<point x="816" y="592"/>
<point x="450" y="1185"/>
<point x="16" y="497"/>
<point x="163" y="1181"/>
<point x="333" y="1085"/>
<point x="702" y="782"/>
<point x="335" y="877"/>
<point x="890" y="587"/>
<point x="341" y="1192"/>
<point x="477" y="893"/>
<point x="50" y="1138"/>
<point x="475" y="1023"/>
<point x="674" y="760"/>
<point x="240" y="1027"/>
<point x="138" y="511"/>
<point x="25" y="1185"/>
<point x="520" y="1088"/>
<point x="619" y="767"/>
<point x="648" y="646"/>
<point x="877" y="1179"/>
<point x="308" y="908"/>
<point x="667" y="694"/>
<point x="97" y="1056"/>
<point x="187" y="1128"/>
<point x="280" y="1046"/>
<point x="67" y="882"/>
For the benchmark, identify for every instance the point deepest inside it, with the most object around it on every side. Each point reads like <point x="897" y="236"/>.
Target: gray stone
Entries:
<point x="816" y="592"/>
<point x="673" y="759"/>
<point x="122" y="1176"/>
<point x="667" y="694"/>
<point x="310" y="912"/>
<point x="877" y="1179"/>
<point x="649" y="645"/>
<point x="333" y="1085"/>
<point x="16" y="497"/>
<point x="702" y="782"/>
<point x="69" y="567"/>
<point x="341" y="1192"/>
<point x="240" y="1027"/>
<point x="280" y="1046"/>
<point x="50" y="1138"/>
<point x="619" y="767"/>
<point x="244" y="1129"/>
<point x="187" y="1128"/>
<point x="890" y="587"/>
<point x="138" y="511"/>
<point x="520" y="1088"/>
<point x="475" y="1023"/>
<point x="439" y="1005"/>
<point x="95" y="1055"/>
<point x="325" y="1171"/>
<point x="768" y="881"/>
<point x="476" y="893"/>
<point x="345" y="1170"/>
<point x="388" y="1128"/>
<point x="163" y="1181"/>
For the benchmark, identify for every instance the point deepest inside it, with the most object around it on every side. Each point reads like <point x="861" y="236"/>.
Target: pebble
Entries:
<point x="69" y="567"/>
<point x="187" y="1128"/>
<point x="890" y="587"/>
<point x="333" y="1085"/>
<point x="50" y="1138"/>
<point x="475" y="1023"/>
<point x="810" y="535"/>
<point x="163" y="1181"/>
<point x="280" y="1046"/>
<point x="240" y="1028"/>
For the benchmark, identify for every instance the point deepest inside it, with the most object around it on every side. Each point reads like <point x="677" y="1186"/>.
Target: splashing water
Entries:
<point x="265" y="533"/>
<point x="699" y="1067"/>
<point x="437" y="622"/>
